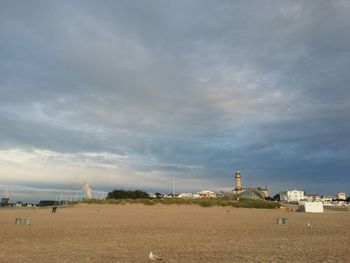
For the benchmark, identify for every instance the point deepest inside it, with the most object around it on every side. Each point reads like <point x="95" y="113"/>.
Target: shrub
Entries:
<point x="123" y="194"/>
<point x="201" y="202"/>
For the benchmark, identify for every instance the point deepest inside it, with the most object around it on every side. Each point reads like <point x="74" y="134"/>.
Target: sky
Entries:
<point x="131" y="94"/>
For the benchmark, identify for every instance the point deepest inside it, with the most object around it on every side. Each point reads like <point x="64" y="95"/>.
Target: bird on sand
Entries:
<point x="154" y="257"/>
<point x="309" y="225"/>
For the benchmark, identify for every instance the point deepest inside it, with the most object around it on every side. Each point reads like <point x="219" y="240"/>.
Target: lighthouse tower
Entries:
<point x="238" y="182"/>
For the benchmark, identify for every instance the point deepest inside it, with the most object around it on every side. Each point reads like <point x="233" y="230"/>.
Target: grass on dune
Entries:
<point x="201" y="202"/>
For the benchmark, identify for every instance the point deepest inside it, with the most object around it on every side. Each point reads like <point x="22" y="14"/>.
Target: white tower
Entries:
<point x="238" y="187"/>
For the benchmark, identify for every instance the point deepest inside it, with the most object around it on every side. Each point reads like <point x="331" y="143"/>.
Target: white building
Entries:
<point x="341" y="196"/>
<point x="185" y="195"/>
<point x="291" y="196"/>
<point x="189" y="196"/>
<point x="312" y="197"/>
<point x="196" y="196"/>
<point x="207" y="194"/>
<point x="327" y="200"/>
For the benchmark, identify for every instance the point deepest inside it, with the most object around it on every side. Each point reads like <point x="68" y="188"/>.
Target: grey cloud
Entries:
<point x="259" y="86"/>
<point x="17" y="132"/>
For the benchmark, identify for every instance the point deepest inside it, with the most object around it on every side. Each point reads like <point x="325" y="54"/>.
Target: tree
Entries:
<point x="123" y="194"/>
<point x="276" y="197"/>
<point x="158" y="195"/>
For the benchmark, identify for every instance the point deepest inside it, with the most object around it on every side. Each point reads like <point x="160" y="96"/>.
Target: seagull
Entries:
<point x="154" y="257"/>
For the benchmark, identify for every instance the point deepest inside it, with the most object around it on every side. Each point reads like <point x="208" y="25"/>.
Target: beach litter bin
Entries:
<point x="279" y="221"/>
<point x="26" y="221"/>
<point x="18" y="221"/>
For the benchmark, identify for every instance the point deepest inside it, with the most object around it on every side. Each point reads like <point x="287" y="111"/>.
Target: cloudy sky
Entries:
<point x="129" y="94"/>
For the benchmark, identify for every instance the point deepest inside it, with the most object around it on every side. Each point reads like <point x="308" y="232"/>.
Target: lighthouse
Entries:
<point x="238" y="181"/>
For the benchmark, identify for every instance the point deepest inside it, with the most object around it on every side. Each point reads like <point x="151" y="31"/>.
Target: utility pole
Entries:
<point x="174" y="187"/>
<point x="61" y="199"/>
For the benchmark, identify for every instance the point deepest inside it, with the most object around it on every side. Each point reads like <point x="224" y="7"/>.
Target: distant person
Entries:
<point x="54" y="209"/>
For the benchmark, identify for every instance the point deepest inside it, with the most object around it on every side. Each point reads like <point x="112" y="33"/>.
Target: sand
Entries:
<point x="179" y="233"/>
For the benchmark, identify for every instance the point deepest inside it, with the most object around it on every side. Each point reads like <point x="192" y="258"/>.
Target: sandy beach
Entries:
<point x="179" y="233"/>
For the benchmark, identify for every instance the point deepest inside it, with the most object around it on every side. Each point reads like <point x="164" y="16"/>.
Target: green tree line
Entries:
<point x="127" y="194"/>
